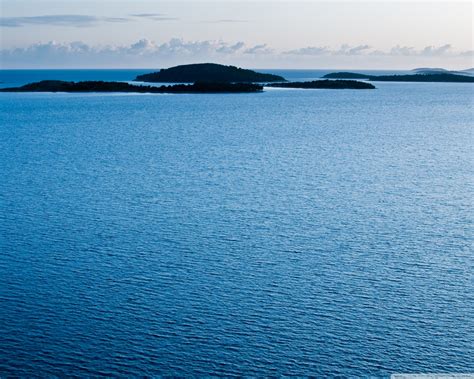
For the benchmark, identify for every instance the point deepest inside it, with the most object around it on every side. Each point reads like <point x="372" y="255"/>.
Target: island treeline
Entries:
<point x="100" y="86"/>
<point x="198" y="87"/>
<point x="208" y="72"/>
<point x="431" y="77"/>
<point x="325" y="84"/>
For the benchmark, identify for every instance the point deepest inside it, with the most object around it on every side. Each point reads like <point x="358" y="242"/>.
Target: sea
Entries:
<point x="309" y="233"/>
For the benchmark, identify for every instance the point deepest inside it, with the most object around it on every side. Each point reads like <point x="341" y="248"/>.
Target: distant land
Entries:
<point x="431" y="70"/>
<point x="346" y="75"/>
<point x="324" y="84"/>
<point x="208" y="72"/>
<point x="423" y="77"/>
<point x="100" y="86"/>
<point x="198" y="87"/>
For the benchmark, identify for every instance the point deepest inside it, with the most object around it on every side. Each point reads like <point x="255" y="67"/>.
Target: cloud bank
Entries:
<point x="74" y="20"/>
<point x="58" y="20"/>
<point x="147" y="53"/>
<point x="154" y="16"/>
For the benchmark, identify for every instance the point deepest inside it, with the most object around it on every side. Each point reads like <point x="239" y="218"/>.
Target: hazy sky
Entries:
<point x="311" y="34"/>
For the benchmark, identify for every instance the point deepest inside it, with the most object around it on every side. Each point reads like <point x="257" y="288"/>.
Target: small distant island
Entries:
<point x="423" y="77"/>
<point x="208" y="72"/>
<point x="100" y="86"/>
<point x="324" y="84"/>
<point x="437" y="70"/>
<point x="345" y="75"/>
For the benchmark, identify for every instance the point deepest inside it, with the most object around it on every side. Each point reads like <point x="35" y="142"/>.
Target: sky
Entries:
<point x="255" y="34"/>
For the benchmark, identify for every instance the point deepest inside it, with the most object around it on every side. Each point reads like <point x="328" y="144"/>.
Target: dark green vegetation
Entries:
<point x="198" y="87"/>
<point x="325" y="84"/>
<point x="430" y="77"/>
<point x="448" y="78"/>
<point x="207" y="72"/>
<point x="99" y="86"/>
<point x="345" y="75"/>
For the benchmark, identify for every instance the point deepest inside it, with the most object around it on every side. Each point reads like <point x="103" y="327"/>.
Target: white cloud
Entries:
<point x="310" y="50"/>
<point x="147" y="53"/>
<point x="325" y="50"/>
<point x="58" y="20"/>
<point x="467" y="53"/>
<point x="142" y="46"/>
<point x="428" y="51"/>
<point x="226" y="49"/>
<point x="352" y="50"/>
<point x="401" y="50"/>
<point x="75" y="20"/>
<point x="154" y="16"/>
<point x="435" y="51"/>
<point x="259" y="49"/>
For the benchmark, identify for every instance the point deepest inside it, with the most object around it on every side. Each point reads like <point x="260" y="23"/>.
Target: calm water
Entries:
<point x="292" y="232"/>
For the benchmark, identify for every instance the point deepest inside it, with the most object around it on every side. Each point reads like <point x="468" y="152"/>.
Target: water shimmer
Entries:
<point x="291" y="232"/>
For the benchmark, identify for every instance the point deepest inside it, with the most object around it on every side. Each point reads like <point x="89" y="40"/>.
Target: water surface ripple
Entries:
<point x="286" y="233"/>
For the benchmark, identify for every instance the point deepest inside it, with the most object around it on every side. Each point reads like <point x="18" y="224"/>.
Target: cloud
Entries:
<point x="148" y="53"/>
<point x="76" y="20"/>
<point x="154" y="16"/>
<point x="428" y="51"/>
<point x="226" y="49"/>
<point x="401" y="50"/>
<point x="467" y="53"/>
<point x="180" y="47"/>
<point x="142" y="53"/>
<point x="259" y="49"/>
<point x="141" y="47"/>
<point x="310" y="50"/>
<point x="435" y="51"/>
<point x="349" y="50"/>
<point x="148" y="15"/>
<point x="57" y="20"/>
<point x="324" y="50"/>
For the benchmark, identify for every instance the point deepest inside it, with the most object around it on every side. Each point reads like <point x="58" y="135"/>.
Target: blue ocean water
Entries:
<point x="290" y="232"/>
